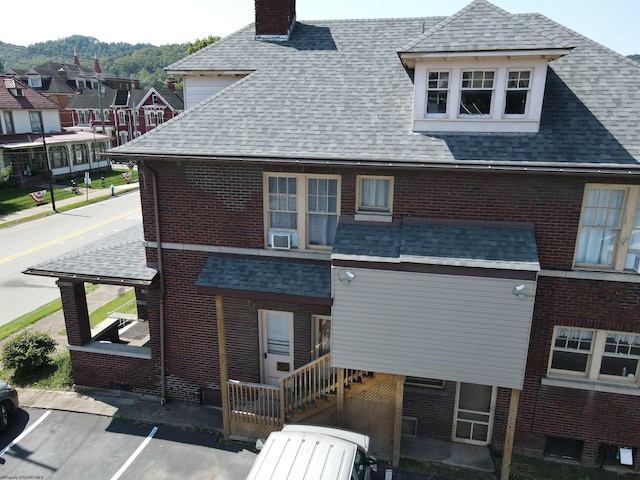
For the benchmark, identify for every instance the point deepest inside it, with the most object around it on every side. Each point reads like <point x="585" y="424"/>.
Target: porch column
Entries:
<point x="397" y="421"/>
<point x="508" y="440"/>
<point x="224" y="374"/>
<point x="76" y="313"/>
<point x="340" y="397"/>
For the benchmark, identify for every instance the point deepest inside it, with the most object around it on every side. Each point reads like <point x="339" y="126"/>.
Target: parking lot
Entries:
<point x="49" y="444"/>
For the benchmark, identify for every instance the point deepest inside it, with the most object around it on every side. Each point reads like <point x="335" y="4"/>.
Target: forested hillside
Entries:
<point x="142" y="61"/>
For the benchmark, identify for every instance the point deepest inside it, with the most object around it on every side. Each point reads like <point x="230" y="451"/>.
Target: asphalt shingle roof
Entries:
<point x="275" y="277"/>
<point x="337" y="91"/>
<point x="30" y="99"/>
<point x="120" y="257"/>
<point x="493" y="244"/>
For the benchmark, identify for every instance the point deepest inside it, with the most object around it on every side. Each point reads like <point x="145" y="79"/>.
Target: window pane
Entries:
<point x="600" y="225"/>
<point x="475" y="102"/>
<point x="516" y="102"/>
<point x="572" y="348"/>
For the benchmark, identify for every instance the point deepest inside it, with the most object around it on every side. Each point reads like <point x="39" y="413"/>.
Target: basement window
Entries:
<point x="616" y="456"/>
<point x="563" y="448"/>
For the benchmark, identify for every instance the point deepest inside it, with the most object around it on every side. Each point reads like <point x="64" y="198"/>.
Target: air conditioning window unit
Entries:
<point x="636" y="264"/>
<point x="280" y="240"/>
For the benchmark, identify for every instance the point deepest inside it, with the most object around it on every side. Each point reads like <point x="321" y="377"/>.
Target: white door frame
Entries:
<point x="490" y="417"/>
<point x="272" y="365"/>
<point x="316" y="339"/>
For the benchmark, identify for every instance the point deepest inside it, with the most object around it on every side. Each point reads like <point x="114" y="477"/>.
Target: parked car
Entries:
<point x="307" y="452"/>
<point x="8" y="403"/>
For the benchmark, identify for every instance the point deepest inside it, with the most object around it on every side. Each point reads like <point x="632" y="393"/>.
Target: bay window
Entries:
<point x="609" y="234"/>
<point x="303" y="208"/>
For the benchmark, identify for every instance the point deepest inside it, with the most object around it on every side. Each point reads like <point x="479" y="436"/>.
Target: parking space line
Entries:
<point x="25" y="433"/>
<point x="135" y="454"/>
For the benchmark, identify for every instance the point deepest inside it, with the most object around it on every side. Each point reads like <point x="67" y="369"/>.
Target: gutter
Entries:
<point x="154" y="179"/>
<point x="517" y="167"/>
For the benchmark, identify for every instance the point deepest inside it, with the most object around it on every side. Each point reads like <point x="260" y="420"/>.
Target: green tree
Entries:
<point x="199" y="44"/>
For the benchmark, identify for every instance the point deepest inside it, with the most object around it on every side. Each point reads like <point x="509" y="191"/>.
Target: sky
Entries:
<point x="613" y="23"/>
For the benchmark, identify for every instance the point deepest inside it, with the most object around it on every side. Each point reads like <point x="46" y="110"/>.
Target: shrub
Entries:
<point x="28" y="351"/>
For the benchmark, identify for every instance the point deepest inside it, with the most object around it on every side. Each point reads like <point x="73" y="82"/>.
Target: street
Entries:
<point x="36" y="241"/>
<point x="52" y="444"/>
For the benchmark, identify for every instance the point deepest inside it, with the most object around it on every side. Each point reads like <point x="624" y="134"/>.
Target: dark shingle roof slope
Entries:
<point x="494" y="245"/>
<point x="337" y="92"/>
<point x="30" y="98"/>
<point x="273" y="277"/>
<point x="118" y="259"/>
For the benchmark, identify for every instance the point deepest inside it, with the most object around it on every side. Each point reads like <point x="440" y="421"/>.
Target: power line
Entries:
<point x="21" y="49"/>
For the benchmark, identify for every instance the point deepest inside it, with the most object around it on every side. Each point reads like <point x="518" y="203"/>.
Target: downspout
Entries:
<point x="154" y="180"/>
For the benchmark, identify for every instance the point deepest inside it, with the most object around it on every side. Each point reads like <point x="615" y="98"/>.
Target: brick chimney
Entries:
<point x="275" y="19"/>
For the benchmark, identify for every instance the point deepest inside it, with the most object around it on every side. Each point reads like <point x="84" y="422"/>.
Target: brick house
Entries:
<point x="402" y="226"/>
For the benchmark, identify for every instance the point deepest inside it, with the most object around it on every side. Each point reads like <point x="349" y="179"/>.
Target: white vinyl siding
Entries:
<point x="467" y="329"/>
<point x="197" y="89"/>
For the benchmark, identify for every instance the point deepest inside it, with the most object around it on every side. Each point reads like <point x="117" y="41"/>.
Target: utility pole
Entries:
<point x="46" y="157"/>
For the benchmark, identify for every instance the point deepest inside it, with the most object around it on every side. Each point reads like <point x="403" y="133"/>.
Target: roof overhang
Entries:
<point x="409" y="59"/>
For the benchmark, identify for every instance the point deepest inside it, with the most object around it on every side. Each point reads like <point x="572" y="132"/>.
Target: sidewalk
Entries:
<point x="78" y="200"/>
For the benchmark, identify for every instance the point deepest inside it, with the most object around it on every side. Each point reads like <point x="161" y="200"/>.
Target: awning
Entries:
<point x="496" y="246"/>
<point x="272" y="279"/>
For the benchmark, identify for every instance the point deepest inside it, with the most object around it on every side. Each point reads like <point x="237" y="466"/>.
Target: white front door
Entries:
<point x="276" y="345"/>
<point x="473" y="418"/>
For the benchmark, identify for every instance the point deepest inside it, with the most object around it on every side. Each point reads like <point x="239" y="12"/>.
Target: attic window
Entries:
<point x="34" y="81"/>
<point x="476" y="92"/>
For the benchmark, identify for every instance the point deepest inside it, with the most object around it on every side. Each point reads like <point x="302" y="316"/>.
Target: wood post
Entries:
<point x="340" y="397"/>
<point x="224" y="373"/>
<point x="508" y="440"/>
<point x="397" y="421"/>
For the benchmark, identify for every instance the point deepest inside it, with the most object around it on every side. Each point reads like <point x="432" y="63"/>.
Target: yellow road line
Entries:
<point x="66" y="237"/>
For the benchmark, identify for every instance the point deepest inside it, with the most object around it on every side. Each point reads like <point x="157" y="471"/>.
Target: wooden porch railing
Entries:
<point x="271" y="405"/>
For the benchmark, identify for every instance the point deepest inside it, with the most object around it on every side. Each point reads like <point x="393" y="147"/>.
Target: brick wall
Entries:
<point x="222" y="204"/>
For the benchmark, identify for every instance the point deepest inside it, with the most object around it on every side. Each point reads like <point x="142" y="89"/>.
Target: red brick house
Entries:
<point x="404" y="226"/>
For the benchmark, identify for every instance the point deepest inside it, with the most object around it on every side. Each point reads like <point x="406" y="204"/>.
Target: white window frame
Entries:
<point x="8" y="122"/>
<point x="300" y="232"/>
<point x="373" y="209"/>
<point x="439" y="86"/>
<point x="80" y="154"/>
<point x="487" y="79"/>
<point x="595" y="355"/>
<point x="122" y="117"/>
<point x="35" y="119"/>
<point x="625" y="226"/>
<point x="34" y="81"/>
<point x="518" y="87"/>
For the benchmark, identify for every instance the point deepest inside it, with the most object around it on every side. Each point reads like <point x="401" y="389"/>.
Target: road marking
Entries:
<point x="135" y="454"/>
<point x="24" y="434"/>
<point x="66" y="237"/>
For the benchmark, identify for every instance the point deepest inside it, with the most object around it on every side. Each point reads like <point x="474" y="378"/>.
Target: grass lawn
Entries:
<point x="16" y="199"/>
<point x="56" y="375"/>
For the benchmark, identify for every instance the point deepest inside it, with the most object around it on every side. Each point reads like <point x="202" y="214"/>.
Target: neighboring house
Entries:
<point x="26" y="117"/>
<point x="441" y="213"/>
<point x="60" y="81"/>
<point x="122" y="113"/>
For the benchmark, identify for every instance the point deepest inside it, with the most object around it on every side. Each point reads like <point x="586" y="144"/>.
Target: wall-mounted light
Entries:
<point x="345" y="276"/>
<point x="518" y="291"/>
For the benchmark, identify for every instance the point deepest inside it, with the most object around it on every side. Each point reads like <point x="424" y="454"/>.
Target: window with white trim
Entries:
<point x="122" y="120"/>
<point x="34" y="81"/>
<point x="8" y="122"/>
<point x="609" y="233"/>
<point x="80" y="154"/>
<point x="518" y="82"/>
<point x="36" y="121"/>
<point x="374" y="194"/>
<point x="59" y="156"/>
<point x="476" y="92"/>
<point x="437" y="92"/>
<point x="303" y="207"/>
<point x="597" y="355"/>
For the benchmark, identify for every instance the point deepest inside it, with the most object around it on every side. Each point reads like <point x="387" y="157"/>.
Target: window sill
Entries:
<point x="373" y="217"/>
<point x="476" y="124"/>
<point x="108" y="348"/>
<point x="592" y="386"/>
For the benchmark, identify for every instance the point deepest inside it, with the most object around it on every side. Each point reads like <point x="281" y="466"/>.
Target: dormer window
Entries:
<point x="34" y="81"/>
<point x="479" y="94"/>
<point x="476" y="92"/>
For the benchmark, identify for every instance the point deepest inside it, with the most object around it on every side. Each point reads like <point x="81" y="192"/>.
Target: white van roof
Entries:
<point x="350" y="436"/>
<point x="303" y="452"/>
